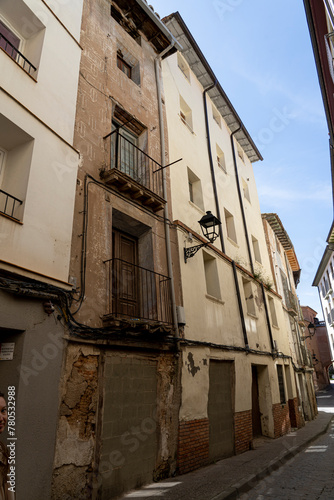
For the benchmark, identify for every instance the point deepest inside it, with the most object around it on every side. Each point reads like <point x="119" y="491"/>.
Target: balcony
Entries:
<point x="291" y="303"/>
<point x="8" y="204"/>
<point x="137" y="298"/>
<point x="15" y="54"/>
<point x="133" y="172"/>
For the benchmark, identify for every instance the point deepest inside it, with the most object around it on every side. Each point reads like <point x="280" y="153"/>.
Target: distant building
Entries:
<point x="324" y="280"/>
<point x="318" y="346"/>
<point x="286" y="271"/>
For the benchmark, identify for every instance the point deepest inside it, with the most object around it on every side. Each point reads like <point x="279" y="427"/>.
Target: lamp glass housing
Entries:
<point x="209" y="223"/>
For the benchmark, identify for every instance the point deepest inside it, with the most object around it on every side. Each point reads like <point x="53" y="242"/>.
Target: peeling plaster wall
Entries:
<point x="74" y="457"/>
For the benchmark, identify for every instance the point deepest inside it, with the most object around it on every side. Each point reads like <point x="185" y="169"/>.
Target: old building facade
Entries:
<point x="39" y="59"/>
<point x="318" y="345"/>
<point x="119" y="403"/>
<point x="286" y="272"/>
<point x="236" y="382"/>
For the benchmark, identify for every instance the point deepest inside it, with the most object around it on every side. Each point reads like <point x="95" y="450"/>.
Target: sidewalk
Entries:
<point x="231" y="477"/>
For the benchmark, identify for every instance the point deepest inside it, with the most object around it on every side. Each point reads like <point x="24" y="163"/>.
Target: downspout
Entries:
<point x="164" y="184"/>
<point x="235" y="275"/>
<point x="211" y="163"/>
<point x="242" y="317"/>
<point x="267" y="318"/>
<point x="240" y="198"/>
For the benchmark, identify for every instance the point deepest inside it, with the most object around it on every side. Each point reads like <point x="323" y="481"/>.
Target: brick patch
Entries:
<point x="243" y="433"/>
<point x="282" y="424"/>
<point x="193" y="445"/>
<point x="296" y="418"/>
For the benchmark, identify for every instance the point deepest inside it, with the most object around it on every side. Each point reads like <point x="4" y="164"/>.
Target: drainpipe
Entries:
<point x="164" y="180"/>
<point x="211" y="163"/>
<point x="242" y="318"/>
<point x="240" y="198"/>
<point x="267" y="318"/>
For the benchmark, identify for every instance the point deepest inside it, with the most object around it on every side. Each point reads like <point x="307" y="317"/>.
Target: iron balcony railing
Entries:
<point x="131" y="160"/>
<point x="8" y="204"/>
<point x="16" y="54"/>
<point x="138" y="293"/>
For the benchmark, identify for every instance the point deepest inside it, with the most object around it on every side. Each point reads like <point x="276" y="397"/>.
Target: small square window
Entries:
<point x="186" y="114"/>
<point x="221" y="159"/>
<point x="123" y="66"/>
<point x="240" y="153"/>
<point x="211" y="276"/>
<point x="249" y="297"/>
<point x="245" y="190"/>
<point x="256" y="250"/>
<point x="216" y="116"/>
<point x="230" y="227"/>
<point x="195" y="189"/>
<point x="183" y="66"/>
<point x="272" y="311"/>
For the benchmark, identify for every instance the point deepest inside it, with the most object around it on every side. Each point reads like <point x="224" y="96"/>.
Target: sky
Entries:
<point x="261" y="53"/>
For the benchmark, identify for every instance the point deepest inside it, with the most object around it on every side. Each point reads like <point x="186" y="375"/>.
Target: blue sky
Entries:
<point x="261" y="54"/>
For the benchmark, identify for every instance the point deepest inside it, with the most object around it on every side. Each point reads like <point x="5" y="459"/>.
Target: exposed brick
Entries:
<point x="282" y="424"/>
<point x="193" y="445"/>
<point x="296" y="418"/>
<point x="243" y="432"/>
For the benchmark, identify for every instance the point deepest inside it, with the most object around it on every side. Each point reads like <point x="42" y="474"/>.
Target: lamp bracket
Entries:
<point x="190" y="252"/>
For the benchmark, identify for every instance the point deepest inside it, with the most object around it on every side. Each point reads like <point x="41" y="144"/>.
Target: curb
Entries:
<point x="234" y="492"/>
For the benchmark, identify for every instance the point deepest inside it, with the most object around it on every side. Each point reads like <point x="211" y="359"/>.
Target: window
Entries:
<point x="221" y="159"/>
<point x="245" y="190"/>
<point x="249" y="296"/>
<point x="211" y="276"/>
<point x="280" y="378"/>
<point x="183" y="66"/>
<point x="21" y="35"/>
<point x="216" y="116"/>
<point x="16" y="148"/>
<point x="240" y="152"/>
<point x="186" y="114"/>
<point x="195" y="189"/>
<point x="230" y="227"/>
<point x="127" y="63"/>
<point x="256" y="250"/>
<point x="278" y="246"/>
<point x="123" y="66"/>
<point x="272" y="311"/>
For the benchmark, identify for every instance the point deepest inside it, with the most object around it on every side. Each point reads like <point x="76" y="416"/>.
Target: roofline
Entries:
<point x="323" y="264"/>
<point x="159" y="23"/>
<point x="208" y="68"/>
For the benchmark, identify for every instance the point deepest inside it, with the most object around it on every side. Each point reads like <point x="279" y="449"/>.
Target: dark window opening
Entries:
<point x="281" y="384"/>
<point x="124" y="66"/>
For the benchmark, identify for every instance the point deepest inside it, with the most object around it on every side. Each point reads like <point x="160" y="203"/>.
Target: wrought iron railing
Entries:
<point x="16" y="55"/>
<point x="138" y="293"/>
<point x="131" y="160"/>
<point x="8" y="204"/>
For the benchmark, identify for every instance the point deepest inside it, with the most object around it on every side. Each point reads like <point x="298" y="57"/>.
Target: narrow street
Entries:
<point x="309" y="475"/>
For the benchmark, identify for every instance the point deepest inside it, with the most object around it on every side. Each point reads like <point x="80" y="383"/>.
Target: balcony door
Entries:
<point x="8" y="40"/>
<point x="125" y="293"/>
<point x="125" y="149"/>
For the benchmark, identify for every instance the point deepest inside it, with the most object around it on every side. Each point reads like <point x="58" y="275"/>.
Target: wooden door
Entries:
<point x="125" y="297"/>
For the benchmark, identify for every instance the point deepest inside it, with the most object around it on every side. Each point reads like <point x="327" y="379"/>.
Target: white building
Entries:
<point x="235" y="383"/>
<point x="39" y="59"/>
<point x="324" y="280"/>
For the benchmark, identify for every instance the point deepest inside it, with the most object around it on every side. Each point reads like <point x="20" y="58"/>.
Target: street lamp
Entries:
<point x="312" y="329"/>
<point x="209" y="224"/>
